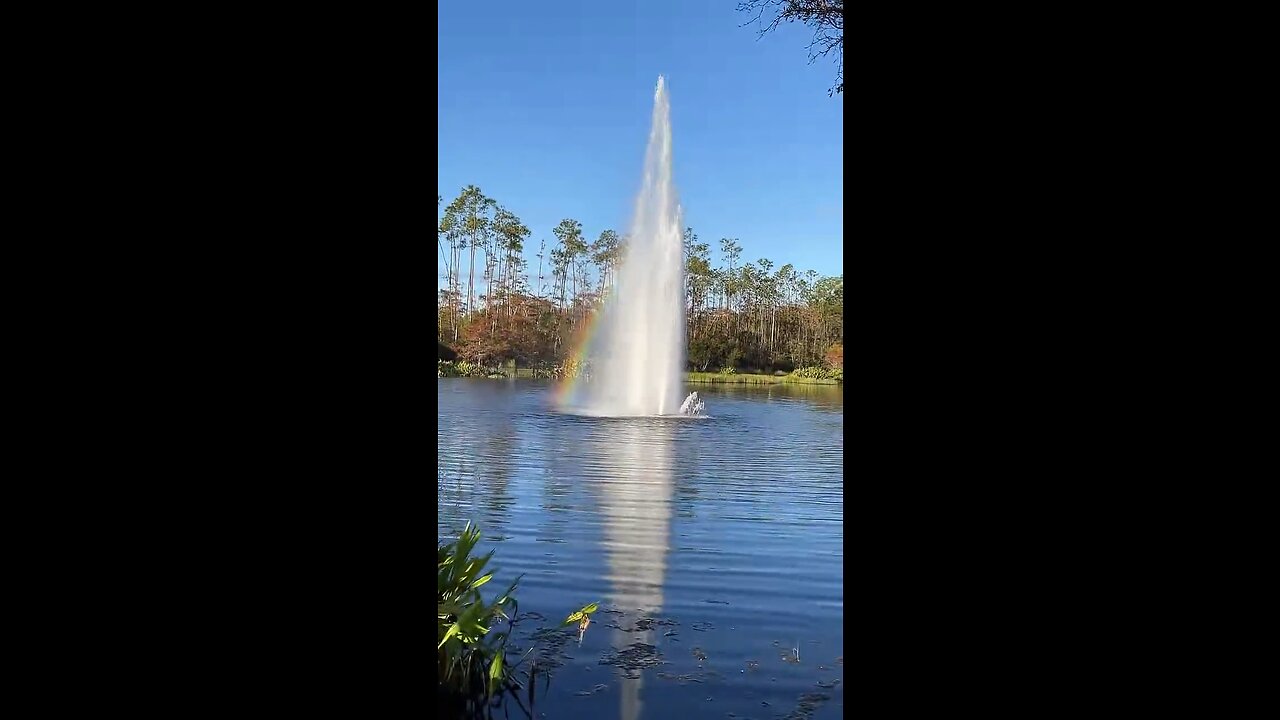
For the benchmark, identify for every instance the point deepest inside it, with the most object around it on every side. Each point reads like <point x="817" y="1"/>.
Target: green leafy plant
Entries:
<point x="474" y="669"/>
<point x="471" y="656"/>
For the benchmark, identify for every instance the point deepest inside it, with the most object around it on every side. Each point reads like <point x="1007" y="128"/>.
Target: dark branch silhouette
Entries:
<point x="826" y="17"/>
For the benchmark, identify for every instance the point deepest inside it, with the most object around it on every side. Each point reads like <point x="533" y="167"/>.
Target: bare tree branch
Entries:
<point x="826" y="17"/>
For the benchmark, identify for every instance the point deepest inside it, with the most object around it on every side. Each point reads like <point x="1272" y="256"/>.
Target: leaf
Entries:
<point x="495" y="672"/>
<point x="471" y="624"/>
<point x="481" y="581"/>
<point x="506" y="597"/>
<point x="582" y="613"/>
<point x="453" y="630"/>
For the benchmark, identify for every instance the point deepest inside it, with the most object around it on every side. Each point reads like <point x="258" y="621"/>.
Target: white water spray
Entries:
<point x="638" y="364"/>
<point x="692" y="405"/>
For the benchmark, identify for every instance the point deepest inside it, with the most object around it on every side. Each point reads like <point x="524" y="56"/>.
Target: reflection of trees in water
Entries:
<point x="825" y="398"/>
<point x="560" y="466"/>
<point x="456" y="494"/>
<point x="632" y="469"/>
<point x="475" y="462"/>
<point x="687" y="465"/>
<point x="472" y="491"/>
<point x="499" y="454"/>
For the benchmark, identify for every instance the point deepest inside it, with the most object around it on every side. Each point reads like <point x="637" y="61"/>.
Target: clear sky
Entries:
<point x="546" y="107"/>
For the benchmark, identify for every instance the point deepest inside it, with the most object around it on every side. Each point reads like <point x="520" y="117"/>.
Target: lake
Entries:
<point x="714" y="546"/>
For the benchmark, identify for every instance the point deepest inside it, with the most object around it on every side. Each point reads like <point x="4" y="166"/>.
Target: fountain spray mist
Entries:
<point x="638" y="368"/>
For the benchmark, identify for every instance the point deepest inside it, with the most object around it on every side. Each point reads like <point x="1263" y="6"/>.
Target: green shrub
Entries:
<point x="446" y="368"/>
<point x="462" y="368"/>
<point x="728" y="370"/>
<point x="818" y="373"/>
<point x="469" y="369"/>
<point x="571" y="368"/>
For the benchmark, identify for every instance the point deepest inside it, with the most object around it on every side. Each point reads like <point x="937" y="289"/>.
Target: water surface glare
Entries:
<point x="714" y="544"/>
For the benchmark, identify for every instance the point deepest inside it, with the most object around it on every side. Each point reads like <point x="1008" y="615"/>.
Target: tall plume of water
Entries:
<point x="638" y="368"/>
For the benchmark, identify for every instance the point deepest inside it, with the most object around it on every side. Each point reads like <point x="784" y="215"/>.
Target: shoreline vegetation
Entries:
<point x="800" y="376"/>
<point x="756" y="379"/>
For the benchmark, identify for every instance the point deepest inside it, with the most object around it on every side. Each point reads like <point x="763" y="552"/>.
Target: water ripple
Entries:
<point x="734" y="523"/>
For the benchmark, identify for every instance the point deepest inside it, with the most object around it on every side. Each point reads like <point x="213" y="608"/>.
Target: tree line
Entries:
<point x="743" y="315"/>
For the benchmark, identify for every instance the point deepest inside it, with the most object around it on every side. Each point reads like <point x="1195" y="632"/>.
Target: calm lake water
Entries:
<point x="714" y="546"/>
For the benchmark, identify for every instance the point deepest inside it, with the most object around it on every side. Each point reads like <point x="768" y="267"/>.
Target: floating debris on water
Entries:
<point x="697" y="677"/>
<point x="807" y="705"/>
<point x="635" y="657"/>
<point x="551" y="643"/>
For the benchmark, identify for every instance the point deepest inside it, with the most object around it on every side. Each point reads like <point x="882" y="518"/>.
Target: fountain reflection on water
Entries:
<point x="636" y="504"/>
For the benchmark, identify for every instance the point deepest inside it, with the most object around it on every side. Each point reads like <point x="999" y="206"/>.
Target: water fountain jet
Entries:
<point x="638" y="357"/>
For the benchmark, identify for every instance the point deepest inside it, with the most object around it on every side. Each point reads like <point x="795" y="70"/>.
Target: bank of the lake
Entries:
<point x="713" y="378"/>
<point x="754" y="379"/>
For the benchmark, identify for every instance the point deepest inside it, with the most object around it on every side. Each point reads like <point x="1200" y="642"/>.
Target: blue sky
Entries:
<point x="546" y="107"/>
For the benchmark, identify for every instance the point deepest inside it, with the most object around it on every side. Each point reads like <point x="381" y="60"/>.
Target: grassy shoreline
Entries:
<point x="710" y="378"/>
<point x="754" y="379"/>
